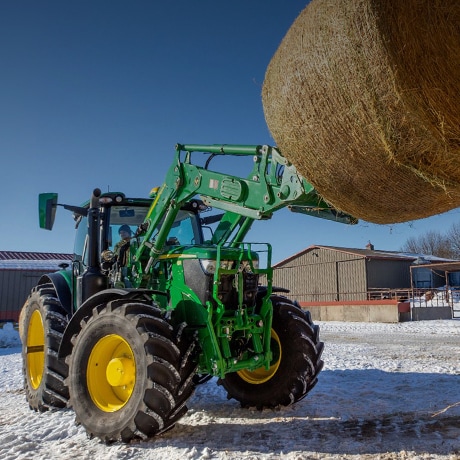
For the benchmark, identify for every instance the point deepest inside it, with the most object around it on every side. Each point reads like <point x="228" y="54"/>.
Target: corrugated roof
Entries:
<point x="368" y="253"/>
<point x="20" y="255"/>
<point x="43" y="261"/>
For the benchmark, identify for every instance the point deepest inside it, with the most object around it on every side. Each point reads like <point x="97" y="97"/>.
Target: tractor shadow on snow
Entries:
<point x="349" y="412"/>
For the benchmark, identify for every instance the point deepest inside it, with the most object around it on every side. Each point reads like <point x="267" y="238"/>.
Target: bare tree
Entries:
<point x="411" y="245"/>
<point x="432" y="243"/>
<point x="453" y="234"/>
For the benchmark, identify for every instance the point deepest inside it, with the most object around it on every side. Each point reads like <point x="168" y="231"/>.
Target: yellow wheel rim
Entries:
<point x="263" y="375"/>
<point x="111" y="373"/>
<point x="35" y="349"/>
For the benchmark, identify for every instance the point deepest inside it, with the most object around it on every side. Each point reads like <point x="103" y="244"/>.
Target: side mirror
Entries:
<point x="47" y="204"/>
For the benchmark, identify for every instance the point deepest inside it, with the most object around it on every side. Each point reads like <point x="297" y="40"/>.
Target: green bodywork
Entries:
<point x="213" y="285"/>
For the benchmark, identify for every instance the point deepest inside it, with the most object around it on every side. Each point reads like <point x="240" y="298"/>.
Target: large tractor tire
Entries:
<point x="130" y="372"/>
<point x="295" y="366"/>
<point x="43" y="321"/>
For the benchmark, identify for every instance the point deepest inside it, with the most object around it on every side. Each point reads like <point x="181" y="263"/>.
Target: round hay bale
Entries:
<point x="362" y="96"/>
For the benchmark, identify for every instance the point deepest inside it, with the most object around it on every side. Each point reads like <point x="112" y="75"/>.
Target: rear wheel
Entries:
<point x="43" y="321"/>
<point x="295" y="365"/>
<point x="130" y="372"/>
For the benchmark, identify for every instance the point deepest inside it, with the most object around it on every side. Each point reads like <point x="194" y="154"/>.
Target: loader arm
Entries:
<point x="272" y="184"/>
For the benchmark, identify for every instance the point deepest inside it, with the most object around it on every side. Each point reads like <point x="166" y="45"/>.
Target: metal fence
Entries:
<point x="434" y="297"/>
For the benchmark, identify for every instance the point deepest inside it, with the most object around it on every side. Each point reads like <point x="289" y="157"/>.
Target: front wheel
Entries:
<point x="295" y="366"/>
<point x="130" y="372"/>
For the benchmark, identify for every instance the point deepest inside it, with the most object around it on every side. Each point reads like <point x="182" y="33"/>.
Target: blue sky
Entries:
<point x="97" y="93"/>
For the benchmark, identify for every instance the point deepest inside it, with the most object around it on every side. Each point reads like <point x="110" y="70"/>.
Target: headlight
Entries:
<point x="209" y="265"/>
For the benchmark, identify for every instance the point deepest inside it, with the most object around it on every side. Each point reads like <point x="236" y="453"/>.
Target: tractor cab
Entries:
<point x="109" y="231"/>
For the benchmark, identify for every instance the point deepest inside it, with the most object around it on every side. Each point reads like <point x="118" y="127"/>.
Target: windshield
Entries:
<point x="124" y="221"/>
<point x="185" y="230"/>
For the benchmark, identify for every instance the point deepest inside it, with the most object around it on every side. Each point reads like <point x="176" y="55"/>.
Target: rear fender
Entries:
<point x="86" y="310"/>
<point x="61" y="281"/>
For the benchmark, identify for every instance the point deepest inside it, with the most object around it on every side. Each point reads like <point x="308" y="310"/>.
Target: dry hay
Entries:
<point x="362" y="96"/>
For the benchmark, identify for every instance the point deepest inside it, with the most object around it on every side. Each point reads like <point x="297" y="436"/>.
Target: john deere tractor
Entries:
<point x="125" y="334"/>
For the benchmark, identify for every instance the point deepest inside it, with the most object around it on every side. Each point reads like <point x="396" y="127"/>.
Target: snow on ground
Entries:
<point x="387" y="391"/>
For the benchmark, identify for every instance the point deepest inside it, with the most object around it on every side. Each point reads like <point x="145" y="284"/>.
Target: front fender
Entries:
<point x="86" y="310"/>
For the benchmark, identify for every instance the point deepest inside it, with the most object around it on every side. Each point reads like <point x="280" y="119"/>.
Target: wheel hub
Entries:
<point x="120" y="371"/>
<point x="111" y="373"/>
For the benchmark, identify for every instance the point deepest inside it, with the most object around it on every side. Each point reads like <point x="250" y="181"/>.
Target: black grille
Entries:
<point x="201" y="283"/>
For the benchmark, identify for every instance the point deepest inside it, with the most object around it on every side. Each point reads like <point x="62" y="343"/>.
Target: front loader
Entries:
<point x="125" y="334"/>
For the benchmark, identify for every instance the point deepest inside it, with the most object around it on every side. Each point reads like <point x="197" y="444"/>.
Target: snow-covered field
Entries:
<point x="387" y="391"/>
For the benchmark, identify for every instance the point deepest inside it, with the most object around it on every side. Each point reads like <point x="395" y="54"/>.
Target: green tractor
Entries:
<point x="125" y="334"/>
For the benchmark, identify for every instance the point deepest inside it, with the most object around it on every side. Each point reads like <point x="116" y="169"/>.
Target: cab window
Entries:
<point x="185" y="230"/>
<point x="122" y="217"/>
<point x="81" y="242"/>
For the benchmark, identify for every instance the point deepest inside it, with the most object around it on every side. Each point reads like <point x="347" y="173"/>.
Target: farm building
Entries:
<point x="346" y="276"/>
<point x="19" y="272"/>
